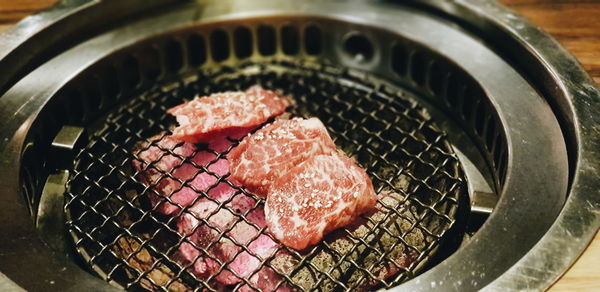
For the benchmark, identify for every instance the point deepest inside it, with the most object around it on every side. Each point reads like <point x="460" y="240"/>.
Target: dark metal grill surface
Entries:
<point x="394" y="139"/>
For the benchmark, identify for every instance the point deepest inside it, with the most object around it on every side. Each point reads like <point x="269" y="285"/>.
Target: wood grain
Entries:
<point x="12" y="11"/>
<point x="574" y="23"/>
<point x="585" y="274"/>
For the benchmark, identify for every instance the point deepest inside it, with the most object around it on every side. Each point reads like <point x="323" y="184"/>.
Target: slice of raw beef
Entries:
<point x="217" y="114"/>
<point x="164" y="163"/>
<point x="322" y="194"/>
<point x="273" y="150"/>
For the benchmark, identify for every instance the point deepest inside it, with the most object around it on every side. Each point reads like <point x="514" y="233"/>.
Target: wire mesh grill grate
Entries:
<point x="122" y="239"/>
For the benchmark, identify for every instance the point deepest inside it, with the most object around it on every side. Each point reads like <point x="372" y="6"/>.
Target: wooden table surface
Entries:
<point x="576" y="25"/>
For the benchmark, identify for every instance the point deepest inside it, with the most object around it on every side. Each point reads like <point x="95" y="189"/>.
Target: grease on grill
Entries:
<point x="390" y="136"/>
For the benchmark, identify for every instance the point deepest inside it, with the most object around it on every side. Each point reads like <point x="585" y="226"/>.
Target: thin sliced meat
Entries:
<point x="218" y="114"/>
<point x="163" y="163"/>
<point x="322" y="194"/>
<point x="273" y="150"/>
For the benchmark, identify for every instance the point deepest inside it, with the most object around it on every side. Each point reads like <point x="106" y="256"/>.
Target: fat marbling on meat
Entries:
<point x="204" y="117"/>
<point x="273" y="150"/>
<point x="319" y="195"/>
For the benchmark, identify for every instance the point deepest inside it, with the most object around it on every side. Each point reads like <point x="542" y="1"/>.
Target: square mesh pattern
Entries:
<point x="122" y="238"/>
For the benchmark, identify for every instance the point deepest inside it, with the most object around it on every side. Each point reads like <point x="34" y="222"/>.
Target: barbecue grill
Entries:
<point x="477" y="127"/>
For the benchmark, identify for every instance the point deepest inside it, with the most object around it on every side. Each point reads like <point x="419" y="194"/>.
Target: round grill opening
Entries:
<point x="394" y="139"/>
<point x="358" y="47"/>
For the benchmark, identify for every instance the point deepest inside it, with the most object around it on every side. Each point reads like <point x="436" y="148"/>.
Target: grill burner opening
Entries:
<point x="387" y="132"/>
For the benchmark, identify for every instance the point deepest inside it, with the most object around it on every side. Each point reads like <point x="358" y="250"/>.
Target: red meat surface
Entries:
<point x="273" y="150"/>
<point x="217" y="114"/>
<point x="322" y="194"/>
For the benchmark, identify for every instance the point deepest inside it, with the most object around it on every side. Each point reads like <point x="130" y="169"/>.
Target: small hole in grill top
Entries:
<point x="289" y="40"/>
<point x="469" y="104"/>
<point x="60" y="110"/>
<point x="75" y="108"/>
<point x="196" y="50"/>
<point x="31" y="172"/>
<point x="437" y="78"/>
<point x="266" y="40"/>
<point x="219" y="45"/>
<point x="131" y="72"/>
<point x="174" y="56"/>
<point x="481" y="117"/>
<point x="498" y="149"/>
<point x="418" y="68"/>
<point x="358" y="47"/>
<point x="399" y="59"/>
<point x="152" y="62"/>
<point x="110" y="83"/>
<point x="490" y="134"/>
<point x="455" y="91"/>
<point x="502" y="168"/>
<point x="243" y="42"/>
<point x="312" y="40"/>
<point x="93" y="93"/>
